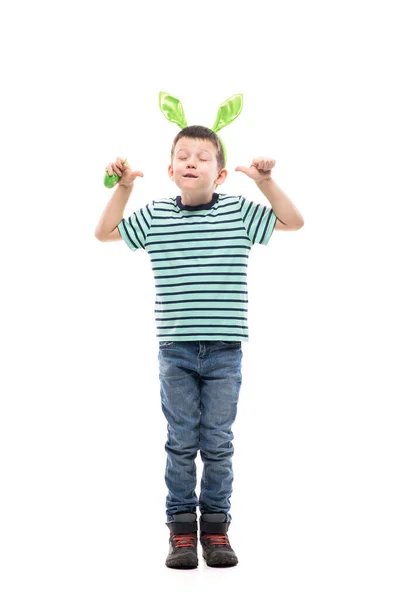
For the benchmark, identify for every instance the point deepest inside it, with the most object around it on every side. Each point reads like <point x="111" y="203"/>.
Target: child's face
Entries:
<point x="194" y="166"/>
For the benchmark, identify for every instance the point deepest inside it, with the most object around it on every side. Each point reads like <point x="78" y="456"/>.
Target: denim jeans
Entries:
<point x="199" y="384"/>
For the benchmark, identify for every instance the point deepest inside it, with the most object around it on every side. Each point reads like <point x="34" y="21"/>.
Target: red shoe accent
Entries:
<point x="216" y="539"/>
<point x="184" y="541"/>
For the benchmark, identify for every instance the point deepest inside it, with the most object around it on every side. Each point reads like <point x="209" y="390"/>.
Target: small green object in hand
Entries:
<point x="111" y="180"/>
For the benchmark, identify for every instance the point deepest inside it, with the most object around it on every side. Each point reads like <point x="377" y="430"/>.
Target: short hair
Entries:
<point x="199" y="132"/>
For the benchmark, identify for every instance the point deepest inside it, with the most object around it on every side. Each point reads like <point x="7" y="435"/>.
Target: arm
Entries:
<point x="288" y="217"/>
<point x="107" y="230"/>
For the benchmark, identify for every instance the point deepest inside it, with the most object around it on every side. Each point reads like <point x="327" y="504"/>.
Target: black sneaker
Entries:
<point x="217" y="550"/>
<point x="183" y="542"/>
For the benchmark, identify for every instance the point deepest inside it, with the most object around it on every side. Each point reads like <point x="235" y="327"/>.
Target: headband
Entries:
<point x="228" y="111"/>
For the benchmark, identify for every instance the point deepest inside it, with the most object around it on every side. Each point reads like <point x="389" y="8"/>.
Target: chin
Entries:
<point x="189" y="180"/>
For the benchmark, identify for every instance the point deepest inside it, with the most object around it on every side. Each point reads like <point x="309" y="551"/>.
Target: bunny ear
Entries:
<point x="172" y="109"/>
<point x="228" y="112"/>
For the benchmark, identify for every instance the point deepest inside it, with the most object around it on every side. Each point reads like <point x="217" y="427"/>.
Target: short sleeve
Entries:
<point x="259" y="221"/>
<point x="135" y="228"/>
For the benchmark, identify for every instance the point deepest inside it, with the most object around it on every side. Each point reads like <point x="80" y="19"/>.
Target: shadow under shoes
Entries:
<point x="217" y="550"/>
<point x="183" y="542"/>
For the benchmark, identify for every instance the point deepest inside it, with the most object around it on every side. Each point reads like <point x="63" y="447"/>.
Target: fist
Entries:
<point x="259" y="169"/>
<point x="120" y="172"/>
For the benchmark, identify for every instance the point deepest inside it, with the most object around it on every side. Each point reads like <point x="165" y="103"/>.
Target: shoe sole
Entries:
<point x="181" y="562"/>
<point x="220" y="562"/>
<point x="184" y="566"/>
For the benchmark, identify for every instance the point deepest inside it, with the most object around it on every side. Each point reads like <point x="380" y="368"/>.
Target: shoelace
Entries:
<point x="217" y="539"/>
<point x="184" y="541"/>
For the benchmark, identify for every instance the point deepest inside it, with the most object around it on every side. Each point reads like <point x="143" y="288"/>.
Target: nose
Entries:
<point x="191" y="163"/>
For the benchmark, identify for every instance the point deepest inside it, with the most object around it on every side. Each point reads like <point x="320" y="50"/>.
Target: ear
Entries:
<point x="172" y="109"/>
<point x="221" y="177"/>
<point x="170" y="172"/>
<point x="228" y="112"/>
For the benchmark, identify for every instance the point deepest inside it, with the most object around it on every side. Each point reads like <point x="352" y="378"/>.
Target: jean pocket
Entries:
<point x="165" y="344"/>
<point x="233" y="344"/>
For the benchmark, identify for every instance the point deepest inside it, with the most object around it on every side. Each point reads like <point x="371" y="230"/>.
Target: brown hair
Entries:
<point x="199" y="132"/>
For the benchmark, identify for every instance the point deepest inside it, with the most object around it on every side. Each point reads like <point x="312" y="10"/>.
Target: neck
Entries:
<point x="191" y="199"/>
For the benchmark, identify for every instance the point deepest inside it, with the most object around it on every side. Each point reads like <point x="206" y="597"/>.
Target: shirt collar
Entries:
<point x="178" y="200"/>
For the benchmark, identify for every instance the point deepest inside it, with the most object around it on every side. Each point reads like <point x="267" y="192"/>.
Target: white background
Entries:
<point x="316" y="498"/>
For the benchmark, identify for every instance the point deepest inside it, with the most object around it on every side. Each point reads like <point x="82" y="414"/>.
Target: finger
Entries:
<point x="264" y="165"/>
<point x="267" y="163"/>
<point x="133" y="174"/>
<point x="116" y="169"/>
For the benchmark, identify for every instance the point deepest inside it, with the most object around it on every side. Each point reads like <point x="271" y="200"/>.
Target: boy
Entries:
<point x="199" y="244"/>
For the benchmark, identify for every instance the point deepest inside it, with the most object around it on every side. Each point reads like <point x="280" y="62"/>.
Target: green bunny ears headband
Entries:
<point x="228" y="111"/>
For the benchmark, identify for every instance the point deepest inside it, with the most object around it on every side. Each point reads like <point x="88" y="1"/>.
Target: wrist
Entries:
<point x="266" y="179"/>
<point x="128" y="186"/>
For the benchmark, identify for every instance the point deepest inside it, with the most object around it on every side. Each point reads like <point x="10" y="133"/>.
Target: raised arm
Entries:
<point x="107" y="227"/>
<point x="288" y="216"/>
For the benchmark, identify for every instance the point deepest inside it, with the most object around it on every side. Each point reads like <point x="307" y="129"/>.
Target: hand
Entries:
<point x="260" y="169"/>
<point x="123" y="170"/>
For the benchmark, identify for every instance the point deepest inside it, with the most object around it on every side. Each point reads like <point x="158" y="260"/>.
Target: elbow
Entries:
<point x="295" y="226"/>
<point x="98" y="235"/>
<point x="299" y="223"/>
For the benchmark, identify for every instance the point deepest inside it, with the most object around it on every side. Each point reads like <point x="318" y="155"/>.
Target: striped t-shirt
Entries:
<point x="199" y="256"/>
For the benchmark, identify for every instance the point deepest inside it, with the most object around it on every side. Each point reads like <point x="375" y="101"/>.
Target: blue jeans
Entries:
<point x="199" y="384"/>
